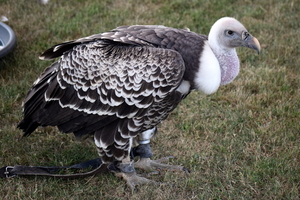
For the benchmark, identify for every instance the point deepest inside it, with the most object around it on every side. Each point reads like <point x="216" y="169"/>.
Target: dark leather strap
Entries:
<point x="96" y="165"/>
<point x="18" y="170"/>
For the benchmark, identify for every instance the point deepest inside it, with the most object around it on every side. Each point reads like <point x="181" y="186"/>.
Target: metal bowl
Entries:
<point x="7" y="39"/>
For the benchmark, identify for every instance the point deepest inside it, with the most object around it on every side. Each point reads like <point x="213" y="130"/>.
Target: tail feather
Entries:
<point x="34" y="101"/>
<point x="28" y="126"/>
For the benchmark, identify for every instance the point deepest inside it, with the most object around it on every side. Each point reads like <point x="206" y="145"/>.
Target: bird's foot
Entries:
<point x="128" y="173"/>
<point x="149" y="165"/>
<point x="133" y="180"/>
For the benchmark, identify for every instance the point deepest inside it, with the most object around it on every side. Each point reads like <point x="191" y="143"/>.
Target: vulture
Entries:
<point x="117" y="86"/>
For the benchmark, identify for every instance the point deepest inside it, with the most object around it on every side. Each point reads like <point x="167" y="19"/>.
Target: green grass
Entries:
<point x="239" y="143"/>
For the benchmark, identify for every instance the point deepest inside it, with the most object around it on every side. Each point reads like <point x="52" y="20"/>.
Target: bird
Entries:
<point x="119" y="85"/>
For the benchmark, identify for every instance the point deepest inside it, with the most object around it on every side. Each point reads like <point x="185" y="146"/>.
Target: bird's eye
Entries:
<point x="229" y="32"/>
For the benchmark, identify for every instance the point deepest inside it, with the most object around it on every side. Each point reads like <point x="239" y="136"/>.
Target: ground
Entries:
<point x="239" y="143"/>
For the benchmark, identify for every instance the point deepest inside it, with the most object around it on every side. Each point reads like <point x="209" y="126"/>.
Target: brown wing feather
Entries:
<point x="97" y="85"/>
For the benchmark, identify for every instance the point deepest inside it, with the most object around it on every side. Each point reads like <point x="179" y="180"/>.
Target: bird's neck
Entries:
<point x="229" y="63"/>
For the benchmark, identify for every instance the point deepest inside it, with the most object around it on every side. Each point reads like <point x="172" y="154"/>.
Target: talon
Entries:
<point x="186" y="170"/>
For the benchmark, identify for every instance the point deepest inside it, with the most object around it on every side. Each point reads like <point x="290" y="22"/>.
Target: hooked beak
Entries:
<point x="253" y="43"/>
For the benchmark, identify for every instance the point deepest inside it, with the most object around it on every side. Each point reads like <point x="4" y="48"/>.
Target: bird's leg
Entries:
<point x="128" y="173"/>
<point x="145" y="163"/>
<point x="143" y="150"/>
<point x="126" y="168"/>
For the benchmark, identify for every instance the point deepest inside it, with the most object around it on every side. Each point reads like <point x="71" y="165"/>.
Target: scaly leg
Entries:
<point x="145" y="163"/>
<point x="143" y="150"/>
<point x="128" y="173"/>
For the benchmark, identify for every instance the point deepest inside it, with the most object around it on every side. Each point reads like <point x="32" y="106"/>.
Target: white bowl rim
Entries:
<point x="11" y="42"/>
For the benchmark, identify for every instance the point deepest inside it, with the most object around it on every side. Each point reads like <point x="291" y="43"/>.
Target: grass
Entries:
<point x="239" y="143"/>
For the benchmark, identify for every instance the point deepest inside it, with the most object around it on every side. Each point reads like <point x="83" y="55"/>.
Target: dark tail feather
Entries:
<point x="28" y="126"/>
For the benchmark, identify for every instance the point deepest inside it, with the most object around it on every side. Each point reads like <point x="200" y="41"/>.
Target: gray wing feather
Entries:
<point x="149" y="35"/>
<point x="113" y="76"/>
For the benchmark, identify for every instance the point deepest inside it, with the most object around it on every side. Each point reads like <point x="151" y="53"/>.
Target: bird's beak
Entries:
<point x="253" y="43"/>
